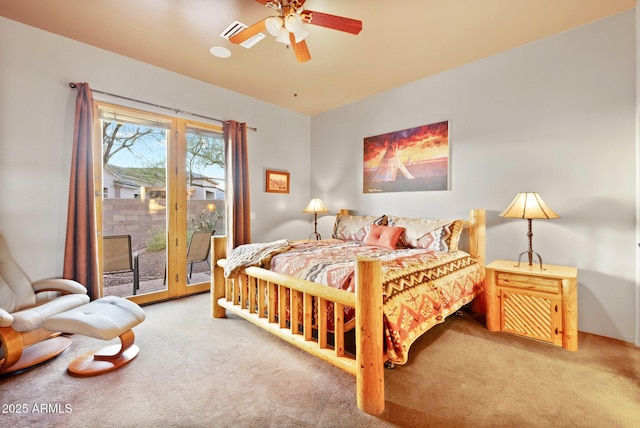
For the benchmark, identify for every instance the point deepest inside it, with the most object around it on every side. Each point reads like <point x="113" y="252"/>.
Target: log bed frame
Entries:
<point x="244" y="295"/>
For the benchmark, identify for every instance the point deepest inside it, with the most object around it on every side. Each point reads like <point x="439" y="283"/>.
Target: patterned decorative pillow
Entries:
<point x="355" y="227"/>
<point x="384" y="236"/>
<point x="436" y="235"/>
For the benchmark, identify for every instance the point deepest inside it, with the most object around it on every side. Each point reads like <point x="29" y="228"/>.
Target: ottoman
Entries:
<point x="106" y="319"/>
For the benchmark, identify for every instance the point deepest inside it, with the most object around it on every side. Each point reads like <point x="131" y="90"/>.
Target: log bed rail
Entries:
<point x="258" y="296"/>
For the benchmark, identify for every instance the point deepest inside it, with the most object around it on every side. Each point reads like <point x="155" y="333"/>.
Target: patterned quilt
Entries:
<point x="421" y="287"/>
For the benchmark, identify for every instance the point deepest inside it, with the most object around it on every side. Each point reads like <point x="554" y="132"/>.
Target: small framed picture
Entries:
<point x="277" y="181"/>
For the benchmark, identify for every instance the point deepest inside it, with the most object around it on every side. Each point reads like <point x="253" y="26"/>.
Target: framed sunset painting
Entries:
<point x="413" y="159"/>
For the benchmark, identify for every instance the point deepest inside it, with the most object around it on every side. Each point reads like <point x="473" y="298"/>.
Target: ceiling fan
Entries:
<point x="287" y="26"/>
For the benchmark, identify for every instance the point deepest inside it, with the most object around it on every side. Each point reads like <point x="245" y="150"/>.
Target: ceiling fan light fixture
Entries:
<point x="274" y="25"/>
<point x="293" y="23"/>
<point x="300" y="35"/>
<point x="288" y="26"/>
<point x="283" y="36"/>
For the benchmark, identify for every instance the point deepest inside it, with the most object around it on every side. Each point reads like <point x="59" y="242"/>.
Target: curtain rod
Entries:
<point x="73" y="86"/>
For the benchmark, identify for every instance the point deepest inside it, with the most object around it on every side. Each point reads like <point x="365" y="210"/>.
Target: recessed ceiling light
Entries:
<point x="220" y="52"/>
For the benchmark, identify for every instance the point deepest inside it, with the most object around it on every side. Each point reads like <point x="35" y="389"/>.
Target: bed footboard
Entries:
<point x="258" y="295"/>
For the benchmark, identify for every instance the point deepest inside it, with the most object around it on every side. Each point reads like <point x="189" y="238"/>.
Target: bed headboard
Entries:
<point x="475" y="227"/>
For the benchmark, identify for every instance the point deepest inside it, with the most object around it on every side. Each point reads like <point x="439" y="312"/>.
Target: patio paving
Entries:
<point x="126" y="289"/>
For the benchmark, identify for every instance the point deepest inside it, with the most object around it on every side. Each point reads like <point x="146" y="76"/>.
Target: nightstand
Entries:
<point x="532" y="302"/>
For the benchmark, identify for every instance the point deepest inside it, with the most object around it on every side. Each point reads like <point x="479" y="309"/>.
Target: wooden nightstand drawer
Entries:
<point x="528" y="282"/>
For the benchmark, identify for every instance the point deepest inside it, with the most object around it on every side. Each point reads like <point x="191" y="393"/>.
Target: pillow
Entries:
<point x="384" y="236"/>
<point x="436" y="235"/>
<point x="355" y="227"/>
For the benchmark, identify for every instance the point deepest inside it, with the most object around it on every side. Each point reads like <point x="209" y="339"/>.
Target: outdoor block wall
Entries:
<point x="144" y="219"/>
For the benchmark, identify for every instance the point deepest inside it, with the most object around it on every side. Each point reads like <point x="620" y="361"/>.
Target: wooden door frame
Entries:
<point x="176" y="194"/>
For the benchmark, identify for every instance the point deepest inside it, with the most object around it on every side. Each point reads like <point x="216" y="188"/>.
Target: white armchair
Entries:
<point x="24" y="306"/>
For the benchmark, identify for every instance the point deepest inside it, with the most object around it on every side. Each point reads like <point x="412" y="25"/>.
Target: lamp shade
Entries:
<point x="528" y="205"/>
<point x="300" y="35"/>
<point x="283" y="36"/>
<point x="315" y="206"/>
<point x="273" y="24"/>
<point x="293" y="22"/>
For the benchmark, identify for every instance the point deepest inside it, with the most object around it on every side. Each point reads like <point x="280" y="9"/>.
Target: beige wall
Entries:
<point x="556" y="116"/>
<point x="36" y="132"/>
<point x="637" y="341"/>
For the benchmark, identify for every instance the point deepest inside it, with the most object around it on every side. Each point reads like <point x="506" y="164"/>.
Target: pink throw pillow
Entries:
<point x="384" y="236"/>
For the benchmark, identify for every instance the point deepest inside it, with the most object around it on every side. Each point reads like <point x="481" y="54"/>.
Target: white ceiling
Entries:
<point x="401" y="41"/>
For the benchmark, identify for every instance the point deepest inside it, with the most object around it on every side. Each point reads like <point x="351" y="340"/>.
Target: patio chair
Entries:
<point x="118" y="257"/>
<point x="198" y="250"/>
<point x="24" y="307"/>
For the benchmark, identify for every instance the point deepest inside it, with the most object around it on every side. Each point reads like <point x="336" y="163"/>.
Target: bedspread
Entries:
<point x="420" y="287"/>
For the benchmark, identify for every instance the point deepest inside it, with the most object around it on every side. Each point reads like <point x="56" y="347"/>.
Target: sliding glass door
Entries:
<point x="157" y="176"/>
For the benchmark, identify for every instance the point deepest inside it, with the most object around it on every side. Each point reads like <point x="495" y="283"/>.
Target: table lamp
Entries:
<point x="316" y="207"/>
<point x="528" y="205"/>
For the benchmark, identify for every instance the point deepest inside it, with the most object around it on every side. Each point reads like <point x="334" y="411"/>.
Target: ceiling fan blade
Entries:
<point x="300" y="49"/>
<point x="248" y="32"/>
<point x="348" y="25"/>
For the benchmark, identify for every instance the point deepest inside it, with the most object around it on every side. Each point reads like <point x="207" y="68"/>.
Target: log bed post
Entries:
<point x="477" y="249"/>
<point x="369" y="337"/>
<point x="218" y="251"/>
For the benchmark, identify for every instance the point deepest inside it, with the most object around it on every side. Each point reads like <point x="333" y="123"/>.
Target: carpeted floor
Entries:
<point x="190" y="373"/>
